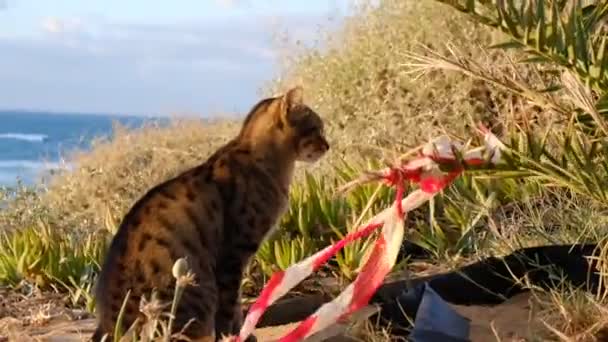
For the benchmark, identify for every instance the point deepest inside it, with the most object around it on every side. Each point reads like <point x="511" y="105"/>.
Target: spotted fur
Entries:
<point x="216" y="215"/>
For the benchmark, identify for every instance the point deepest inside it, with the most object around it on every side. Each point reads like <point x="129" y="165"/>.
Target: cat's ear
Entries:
<point x="292" y="98"/>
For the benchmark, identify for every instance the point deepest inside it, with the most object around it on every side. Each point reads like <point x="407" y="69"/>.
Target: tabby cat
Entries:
<point x="216" y="215"/>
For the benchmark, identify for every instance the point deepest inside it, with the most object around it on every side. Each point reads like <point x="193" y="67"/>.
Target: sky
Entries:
<point x="151" y="57"/>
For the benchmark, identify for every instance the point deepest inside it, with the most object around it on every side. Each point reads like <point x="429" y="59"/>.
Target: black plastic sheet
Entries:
<point x="488" y="282"/>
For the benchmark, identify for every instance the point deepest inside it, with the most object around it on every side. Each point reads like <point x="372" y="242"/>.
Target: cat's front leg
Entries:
<point x="229" y="315"/>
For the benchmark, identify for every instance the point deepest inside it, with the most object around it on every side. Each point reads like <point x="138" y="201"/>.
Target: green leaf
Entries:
<point x="551" y="88"/>
<point x="512" y="44"/>
<point x="540" y="27"/>
<point x="470" y="6"/>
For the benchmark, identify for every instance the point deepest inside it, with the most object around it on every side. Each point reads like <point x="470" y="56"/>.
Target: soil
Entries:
<point x="510" y="321"/>
<point x="47" y="317"/>
<point x="26" y="317"/>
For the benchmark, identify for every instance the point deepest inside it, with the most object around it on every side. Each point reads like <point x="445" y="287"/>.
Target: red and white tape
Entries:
<point x="423" y="170"/>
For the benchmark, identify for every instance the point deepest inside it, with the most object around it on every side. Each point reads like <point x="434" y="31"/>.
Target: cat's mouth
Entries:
<point x="312" y="156"/>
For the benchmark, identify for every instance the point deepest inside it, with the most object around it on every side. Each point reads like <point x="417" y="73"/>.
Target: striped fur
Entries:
<point x="216" y="215"/>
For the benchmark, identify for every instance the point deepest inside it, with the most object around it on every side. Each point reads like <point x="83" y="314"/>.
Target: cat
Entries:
<point x="216" y="215"/>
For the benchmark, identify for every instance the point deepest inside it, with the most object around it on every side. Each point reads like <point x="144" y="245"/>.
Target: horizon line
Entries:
<point x="182" y="114"/>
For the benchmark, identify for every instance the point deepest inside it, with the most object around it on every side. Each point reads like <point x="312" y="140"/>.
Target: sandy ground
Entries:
<point x="46" y="318"/>
<point x="510" y="321"/>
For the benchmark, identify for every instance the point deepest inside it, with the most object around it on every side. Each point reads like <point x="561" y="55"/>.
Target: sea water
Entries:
<point x="34" y="142"/>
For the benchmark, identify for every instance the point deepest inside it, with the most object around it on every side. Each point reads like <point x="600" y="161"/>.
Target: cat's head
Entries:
<point x="285" y="119"/>
<point x="303" y="125"/>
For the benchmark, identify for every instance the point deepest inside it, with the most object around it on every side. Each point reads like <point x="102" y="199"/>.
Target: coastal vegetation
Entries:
<point x="393" y="76"/>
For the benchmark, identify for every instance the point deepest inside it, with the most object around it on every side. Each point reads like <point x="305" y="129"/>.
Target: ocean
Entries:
<point x="34" y="142"/>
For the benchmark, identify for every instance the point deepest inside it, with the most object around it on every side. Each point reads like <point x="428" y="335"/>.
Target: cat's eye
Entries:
<point x="309" y="130"/>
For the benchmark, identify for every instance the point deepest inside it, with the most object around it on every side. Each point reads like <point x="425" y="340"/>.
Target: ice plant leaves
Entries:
<point x="422" y="170"/>
<point x="564" y="33"/>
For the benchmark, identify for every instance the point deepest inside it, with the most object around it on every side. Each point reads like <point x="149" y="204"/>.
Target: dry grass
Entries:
<point x="106" y="181"/>
<point x="361" y="82"/>
<point x="358" y="79"/>
<point x="357" y="82"/>
<point x="572" y="315"/>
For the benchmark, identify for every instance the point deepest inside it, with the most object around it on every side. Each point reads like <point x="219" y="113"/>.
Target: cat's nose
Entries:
<point x="325" y="145"/>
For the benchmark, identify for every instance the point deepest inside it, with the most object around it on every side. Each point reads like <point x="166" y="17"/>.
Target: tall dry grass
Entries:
<point x="356" y="81"/>
<point x="360" y="79"/>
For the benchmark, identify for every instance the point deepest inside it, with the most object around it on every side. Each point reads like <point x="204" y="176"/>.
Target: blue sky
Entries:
<point x="146" y="57"/>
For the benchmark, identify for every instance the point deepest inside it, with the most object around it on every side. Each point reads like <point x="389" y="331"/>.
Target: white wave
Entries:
<point x="33" y="165"/>
<point x="28" y="170"/>
<point x="7" y="178"/>
<point x="31" y="137"/>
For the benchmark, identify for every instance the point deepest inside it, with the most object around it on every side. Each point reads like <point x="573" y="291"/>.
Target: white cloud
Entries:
<point x="96" y="64"/>
<point x="232" y="3"/>
<point x="55" y="25"/>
